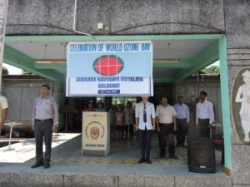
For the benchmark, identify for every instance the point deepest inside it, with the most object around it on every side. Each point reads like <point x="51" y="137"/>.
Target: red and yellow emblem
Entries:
<point x="94" y="132"/>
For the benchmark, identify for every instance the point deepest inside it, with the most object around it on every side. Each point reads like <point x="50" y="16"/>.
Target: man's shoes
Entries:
<point x="173" y="156"/>
<point x="46" y="165"/>
<point x="161" y="156"/>
<point x="141" y="160"/>
<point x="178" y="145"/>
<point x="37" y="164"/>
<point x="148" y="161"/>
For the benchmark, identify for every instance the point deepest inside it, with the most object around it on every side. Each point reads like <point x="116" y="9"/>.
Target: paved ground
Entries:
<point x="67" y="158"/>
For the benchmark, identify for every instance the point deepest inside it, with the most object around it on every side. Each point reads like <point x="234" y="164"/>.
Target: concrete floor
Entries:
<point x="122" y="160"/>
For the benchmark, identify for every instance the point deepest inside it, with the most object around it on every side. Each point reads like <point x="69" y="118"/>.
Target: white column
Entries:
<point x="3" y="20"/>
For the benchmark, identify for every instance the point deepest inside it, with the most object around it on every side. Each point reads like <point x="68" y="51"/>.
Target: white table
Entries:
<point x="11" y="124"/>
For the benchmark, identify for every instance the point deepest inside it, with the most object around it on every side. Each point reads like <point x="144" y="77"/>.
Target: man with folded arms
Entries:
<point x="145" y="123"/>
<point x="44" y="123"/>
<point x="166" y="125"/>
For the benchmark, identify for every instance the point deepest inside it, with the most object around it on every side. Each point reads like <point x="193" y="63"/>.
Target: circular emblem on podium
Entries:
<point x="94" y="132"/>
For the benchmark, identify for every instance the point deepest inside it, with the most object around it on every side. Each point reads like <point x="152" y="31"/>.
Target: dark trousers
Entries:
<point x="181" y="131"/>
<point x="167" y="131"/>
<point x="145" y="142"/>
<point x="204" y="129"/>
<point x="129" y="129"/>
<point x="43" y="131"/>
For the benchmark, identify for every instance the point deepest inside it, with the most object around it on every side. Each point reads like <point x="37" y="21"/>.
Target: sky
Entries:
<point x="13" y="70"/>
<point x="16" y="71"/>
<point x="217" y="63"/>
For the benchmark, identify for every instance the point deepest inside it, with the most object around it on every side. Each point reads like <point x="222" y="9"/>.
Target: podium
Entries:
<point x="95" y="133"/>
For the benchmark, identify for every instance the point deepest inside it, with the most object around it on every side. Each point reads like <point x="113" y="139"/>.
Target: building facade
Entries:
<point x="40" y="30"/>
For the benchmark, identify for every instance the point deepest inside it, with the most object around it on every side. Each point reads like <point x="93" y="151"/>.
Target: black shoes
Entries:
<point x="173" y="156"/>
<point x="148" y="161"/>
<point x="46" y="165"/>
<point x="161" y="156"/>
<point x="178" y="145"/>
<point x="37" y="164"/>
<point x="141" y="160"/>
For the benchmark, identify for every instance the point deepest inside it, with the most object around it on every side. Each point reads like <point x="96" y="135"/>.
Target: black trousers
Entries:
<point x="129" y="128"/>
<point x="167" y="131"/>
<point x="43" y="131"/>
<point x="204" y="130"/>
<point x="181" y="131"/>
<point x="145" y="143"/>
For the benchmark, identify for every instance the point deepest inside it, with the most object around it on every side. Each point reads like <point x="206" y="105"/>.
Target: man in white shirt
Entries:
<point x="145" y="123"/>
<point x="182" y="120"/>
<point x="204" y="115"/>
<point x="3" y="111"/>
<point x="166" y="125"/>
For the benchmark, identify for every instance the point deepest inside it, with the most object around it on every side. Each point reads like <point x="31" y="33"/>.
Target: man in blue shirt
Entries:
<point x="182" y="120"/>
<point x="145" y="123"/>
<point x="44" y="122"/>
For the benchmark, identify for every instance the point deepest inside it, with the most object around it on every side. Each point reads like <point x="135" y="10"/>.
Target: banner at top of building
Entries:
<point x="108" y="68"/>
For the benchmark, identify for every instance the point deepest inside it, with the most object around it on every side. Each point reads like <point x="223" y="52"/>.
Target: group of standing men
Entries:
<point x="167" y="120"/>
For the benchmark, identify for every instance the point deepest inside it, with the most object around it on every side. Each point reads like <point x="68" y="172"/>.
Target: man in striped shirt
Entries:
<point x="44" y="122"/>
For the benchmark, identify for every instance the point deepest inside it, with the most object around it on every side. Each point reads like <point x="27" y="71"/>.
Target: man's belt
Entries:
<point x="43" y="120"/>
<point x="165" y="123"/>
<point x="203" y="119"/>
<point x="182" y="119"/>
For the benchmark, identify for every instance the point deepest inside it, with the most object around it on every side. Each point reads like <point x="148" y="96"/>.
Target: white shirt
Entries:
<point x="182" y="111"/>
<point x="205" y="111"/>
<point x="3" y="104"/>
<point x="165" y="114"/>
<point x="150" y="109"/>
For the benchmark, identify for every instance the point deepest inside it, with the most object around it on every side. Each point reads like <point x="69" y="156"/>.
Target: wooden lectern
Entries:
<point x="95" y="133"/>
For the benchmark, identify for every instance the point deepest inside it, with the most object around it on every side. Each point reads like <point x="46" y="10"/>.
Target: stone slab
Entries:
<point x="89" y="180"/>
<point x="95" y="180"/>
<point x="146" y="16"/>
<point x="241" y="178"/>
<point x="236" y="17"/>
<point x="4" y="179"/>
<point x="203" y="182"/>
<point x="35" y="180"/>
<point x="240" y="158"/>
<point x="131" y="181"/>
<point x="118" y="17"/>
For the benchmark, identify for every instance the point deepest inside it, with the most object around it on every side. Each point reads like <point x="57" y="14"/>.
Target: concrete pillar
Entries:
<point x="3" y="20"/>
